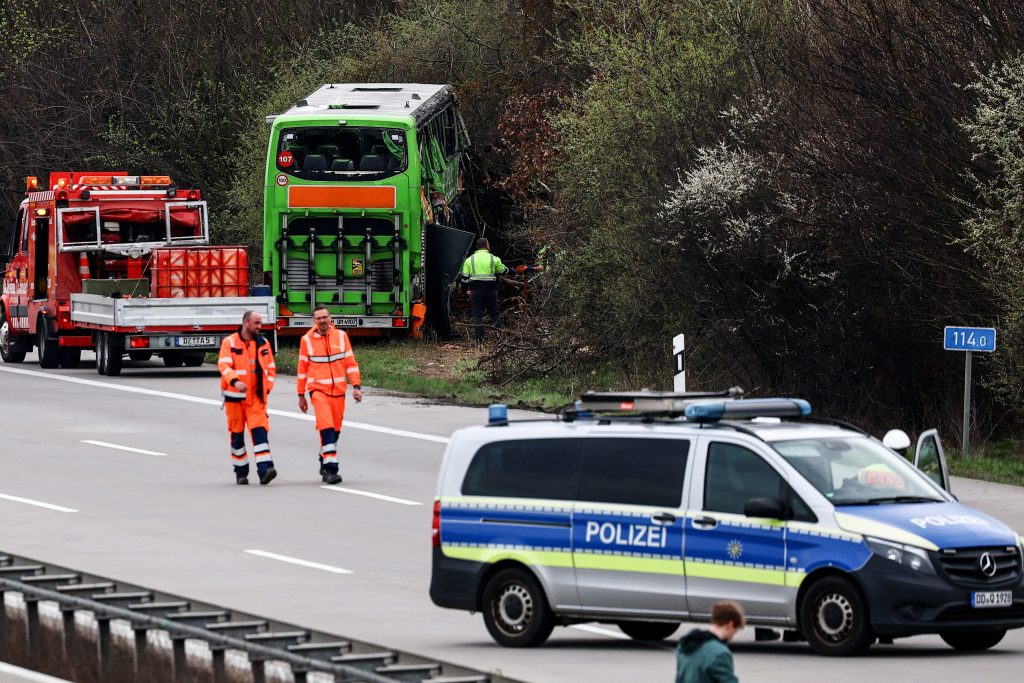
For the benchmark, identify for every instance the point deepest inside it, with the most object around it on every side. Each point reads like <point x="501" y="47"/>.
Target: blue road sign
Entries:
<point x="970" y="339"/>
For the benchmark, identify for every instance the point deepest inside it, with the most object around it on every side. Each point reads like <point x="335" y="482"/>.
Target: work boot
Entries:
<point x="268" y="476"/>
<point x="331" y="478"/>
<point x="323" y="470"/>
<point x="242" y="480"/>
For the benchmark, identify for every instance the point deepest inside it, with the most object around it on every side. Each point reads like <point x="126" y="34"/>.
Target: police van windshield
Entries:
<point x="341" y="153"/>
<point x="852" y="470"/>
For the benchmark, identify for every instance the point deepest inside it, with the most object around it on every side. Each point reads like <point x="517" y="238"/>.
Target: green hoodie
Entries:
<point x="703" y="658"/>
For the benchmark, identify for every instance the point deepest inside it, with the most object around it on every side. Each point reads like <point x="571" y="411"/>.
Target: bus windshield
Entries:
<point x="342" y="153"/>
<point x="857" y="471"/>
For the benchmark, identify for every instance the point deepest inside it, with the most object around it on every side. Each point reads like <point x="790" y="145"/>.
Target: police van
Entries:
<point x="644" y="510"/>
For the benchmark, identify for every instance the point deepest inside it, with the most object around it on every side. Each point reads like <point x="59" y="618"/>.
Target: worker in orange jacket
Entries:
<point x="327" y="365"/>
<point x="247" y="372"/>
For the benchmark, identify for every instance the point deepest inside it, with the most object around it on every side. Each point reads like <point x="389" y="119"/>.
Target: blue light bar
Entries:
<point x="745" y="409"/>
<point x="497" y="414"/>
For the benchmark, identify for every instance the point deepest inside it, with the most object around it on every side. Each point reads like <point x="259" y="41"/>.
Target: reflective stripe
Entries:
<point x="241" y="372"/>
<point x="336" y="380"/>
<point x="331" y="358"/>
<point x="273" y="365"/>
<point x="354" y="368"/>
<point x="238" y="451"/>
<point x="269" y="379"/>
<point x="224" y="359"/>
<point x="232" y="394"/>
<point x="302" y="358"/>
<point x="263" y="457"/>
<point x="301" y="376"/>
<point x="309" y="345"/>
<point x="330" y="459"/>
<point x="261" y="447"/>
<point x="243" y="457"/>
<point x="329" y="448"/>
<point x="231" y="342"/>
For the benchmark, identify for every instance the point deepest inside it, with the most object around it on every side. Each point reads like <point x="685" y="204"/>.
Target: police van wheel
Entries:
<point x="515" y="610"/>
<point x="834" y="618"/>
<point x="973" y="641"/>
<point x="648" y="630"/>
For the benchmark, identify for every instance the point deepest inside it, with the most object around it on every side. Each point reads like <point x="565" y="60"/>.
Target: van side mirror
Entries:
<point x="896" y="439"/>
<point x="767" y="508"/>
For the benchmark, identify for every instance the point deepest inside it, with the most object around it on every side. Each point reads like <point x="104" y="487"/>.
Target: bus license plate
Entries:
<point x="194" y="342"/>
<point x="992" y="599"/>
<point x="346" y="322"/>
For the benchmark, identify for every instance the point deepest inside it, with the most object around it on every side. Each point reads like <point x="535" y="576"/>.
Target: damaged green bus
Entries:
<point x="361" y="198"/>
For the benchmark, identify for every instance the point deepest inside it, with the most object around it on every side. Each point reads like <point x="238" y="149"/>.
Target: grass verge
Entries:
<point x="998" y="461"/>
<point x="445" y="371"/>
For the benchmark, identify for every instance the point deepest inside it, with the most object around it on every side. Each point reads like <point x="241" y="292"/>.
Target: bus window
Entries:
<point x="341" y="153"/>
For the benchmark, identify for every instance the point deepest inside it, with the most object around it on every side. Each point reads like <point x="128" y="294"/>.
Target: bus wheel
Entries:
<point x="973" y="641"/>
<point x="9" y="347"/>
<point x="834" y="618"/>
<point x="648" y="630"/>
<point x="46" y="346"/>
<point x="516" y="612"/>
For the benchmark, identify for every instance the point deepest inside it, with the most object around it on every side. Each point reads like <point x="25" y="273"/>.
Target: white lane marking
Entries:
<point x="37" y="503"/>
<point x="368" y="494"/>
<point x="597" y="630"/>
<point x="26" y="675"/>
<point x="213" y="402"/>
<point x="121" y="448"/>
<point x="301" y="563"/>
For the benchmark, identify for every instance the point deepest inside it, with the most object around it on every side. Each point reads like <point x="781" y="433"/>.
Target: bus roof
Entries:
<point x="415" y="100"/>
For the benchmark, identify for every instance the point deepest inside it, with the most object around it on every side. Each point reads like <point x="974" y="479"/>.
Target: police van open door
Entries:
<point x="931" y="459"/>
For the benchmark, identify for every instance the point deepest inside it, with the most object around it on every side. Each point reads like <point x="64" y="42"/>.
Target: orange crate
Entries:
<point x="200" y="272"/>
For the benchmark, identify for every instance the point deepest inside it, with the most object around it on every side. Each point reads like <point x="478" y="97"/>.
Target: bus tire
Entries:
<point x="516" y="610"/>
<point x="10" y="350"/>
<point x="973" y="641"/>
<point x="834" y="618"/>
<point x="648" y="630"/>
<point x="46" y="346"/>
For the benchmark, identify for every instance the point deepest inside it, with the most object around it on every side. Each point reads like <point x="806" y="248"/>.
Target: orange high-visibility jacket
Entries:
<point x="327" y="363"/>
<point x="252" y="362"/>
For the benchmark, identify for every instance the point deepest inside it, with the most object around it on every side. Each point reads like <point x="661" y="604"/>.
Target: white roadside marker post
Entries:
<point x="678" y="349"/>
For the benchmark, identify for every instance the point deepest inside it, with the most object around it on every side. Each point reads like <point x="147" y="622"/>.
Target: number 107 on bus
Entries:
<point x="970" y="339"/>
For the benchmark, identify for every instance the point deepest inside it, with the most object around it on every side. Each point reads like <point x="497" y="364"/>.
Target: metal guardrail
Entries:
<point x="261" y="639"/>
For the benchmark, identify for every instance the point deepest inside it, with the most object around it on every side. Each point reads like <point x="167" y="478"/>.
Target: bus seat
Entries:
<point x="314" y="162"/>
<point x="372" y="162"/>
<point x="394" y="163"/>
<point x="343" y="165"/>
<point x="380" y="150"/>
<point x="329" y="151"/>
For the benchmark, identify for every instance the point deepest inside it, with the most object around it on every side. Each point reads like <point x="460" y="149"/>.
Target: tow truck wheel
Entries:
<point x="69" y="358"/>
<point x="193" y="361"/>
<point x="46" y="347"/>
<point x="101" y="352"/>
<point x="648" y="630"/>
<point x="515" y="609"/>
<point x="173" y="360"/>
<point x="973" y="641"/>
<point x="140" y="356"/>
<point x="113" y="353"/>
<point x="834" y="618"/>
<point x="8" y="346"/>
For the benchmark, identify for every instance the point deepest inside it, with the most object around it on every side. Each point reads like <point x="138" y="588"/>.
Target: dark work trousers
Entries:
<point x="485" y="299"/>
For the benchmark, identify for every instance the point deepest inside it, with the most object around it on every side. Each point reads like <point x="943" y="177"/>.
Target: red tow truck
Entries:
<point x="120" y="264"/>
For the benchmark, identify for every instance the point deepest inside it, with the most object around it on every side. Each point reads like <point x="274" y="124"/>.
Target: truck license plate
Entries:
<point x="992" y="599"/>
<point x="346" y="322"/>
<point x="194" y="342"/>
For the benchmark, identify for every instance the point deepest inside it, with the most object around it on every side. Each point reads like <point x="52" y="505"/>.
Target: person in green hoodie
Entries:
<point x="704" y="656"/>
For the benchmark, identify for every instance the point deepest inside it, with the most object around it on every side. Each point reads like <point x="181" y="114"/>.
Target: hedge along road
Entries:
<point x="129" y="477"/>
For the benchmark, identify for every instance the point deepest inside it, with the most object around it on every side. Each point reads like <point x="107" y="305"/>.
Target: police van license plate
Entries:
<point x="992" y="599"/>
<point x="194" y="342"/>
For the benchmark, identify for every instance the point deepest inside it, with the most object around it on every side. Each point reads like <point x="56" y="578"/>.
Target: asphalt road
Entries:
<point x="168" y="515"/>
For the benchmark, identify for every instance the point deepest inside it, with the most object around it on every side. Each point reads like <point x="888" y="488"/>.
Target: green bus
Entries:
<point x="361" y="207"/>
